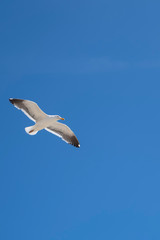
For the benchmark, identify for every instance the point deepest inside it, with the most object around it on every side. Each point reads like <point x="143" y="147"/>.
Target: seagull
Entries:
<point x="44" y="121"/>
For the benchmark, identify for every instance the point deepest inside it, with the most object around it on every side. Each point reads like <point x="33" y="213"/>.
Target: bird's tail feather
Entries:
<point x="30" y="130"/>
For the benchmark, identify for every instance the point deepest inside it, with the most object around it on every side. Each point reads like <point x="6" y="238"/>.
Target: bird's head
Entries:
<point x="57" y="117"/>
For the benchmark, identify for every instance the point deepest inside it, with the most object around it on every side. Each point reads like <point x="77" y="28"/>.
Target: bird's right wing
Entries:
<point x="29" y="108"/>
<point x="63" y="131"/>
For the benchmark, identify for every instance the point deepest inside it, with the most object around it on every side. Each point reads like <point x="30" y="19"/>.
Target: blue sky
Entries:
<point x="97" y="64"/>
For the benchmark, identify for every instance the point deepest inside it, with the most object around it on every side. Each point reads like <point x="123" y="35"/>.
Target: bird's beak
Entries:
<point x="62" y="118"/>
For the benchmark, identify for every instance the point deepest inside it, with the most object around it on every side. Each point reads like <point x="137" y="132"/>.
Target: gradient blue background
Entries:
<point x="97" y="64"/>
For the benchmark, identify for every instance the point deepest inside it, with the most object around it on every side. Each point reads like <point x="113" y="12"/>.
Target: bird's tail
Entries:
<point x="30" y="130"/>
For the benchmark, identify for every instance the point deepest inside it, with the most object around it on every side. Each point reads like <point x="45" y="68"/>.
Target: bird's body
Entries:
<point x="44" y="121"/>
<point x="41" y="124"/>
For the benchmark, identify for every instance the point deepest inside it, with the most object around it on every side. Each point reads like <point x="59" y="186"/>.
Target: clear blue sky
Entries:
<point x="97" y="64"/>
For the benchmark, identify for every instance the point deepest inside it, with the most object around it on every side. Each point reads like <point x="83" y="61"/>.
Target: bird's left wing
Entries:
<point x="29" y="108"/>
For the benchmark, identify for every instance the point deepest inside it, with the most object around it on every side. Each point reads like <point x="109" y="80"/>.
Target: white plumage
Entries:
<point x="44" y="121"/>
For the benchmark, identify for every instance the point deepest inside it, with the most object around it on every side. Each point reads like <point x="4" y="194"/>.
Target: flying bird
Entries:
<point x="44" y="121"/>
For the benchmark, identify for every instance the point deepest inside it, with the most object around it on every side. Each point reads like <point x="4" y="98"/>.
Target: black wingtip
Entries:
<point x="75" y="142"/>
<point x="15" y="100"/>
<point x="77" y="146"/>
<point x="11" y="100"/>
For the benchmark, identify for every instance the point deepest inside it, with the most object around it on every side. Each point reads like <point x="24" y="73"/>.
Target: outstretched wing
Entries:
<point x="63" y="131"/>
<point x="29" y="108"/>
